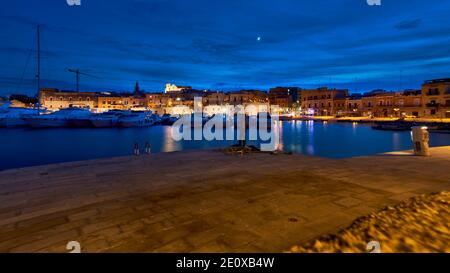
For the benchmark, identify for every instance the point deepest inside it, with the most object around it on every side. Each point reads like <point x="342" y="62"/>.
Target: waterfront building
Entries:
<point x="54" y="99"/>
<point x="432" y="101"/>
<point x="256" y="96"/>
<point x="115" y="101"/>
<point x="347" y="105"/>
<point x="355" y="105"/>
<point x="378" y="103"/>
<point x="408" y="104"/>
<point x="178" y="110"/>
<point x="250" y="109"/>
<point x="217" y="109"/>
<point x="436" y="98"/>
<point x="18" y="100"/>
<point x="341" y="106"/>
<point x="162" y="103"/>
<point x="285" y="97"/>
<point x="237" y="98"/>
<point x="214" y="98"/>
<point x="246" y="96"/>
<point x="157" y="102"/>
<point x="110" y="102"/>
<point x="321" y="101"/>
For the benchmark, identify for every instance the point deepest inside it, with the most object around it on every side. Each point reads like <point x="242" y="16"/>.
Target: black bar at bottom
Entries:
<point x="218" y="262"/>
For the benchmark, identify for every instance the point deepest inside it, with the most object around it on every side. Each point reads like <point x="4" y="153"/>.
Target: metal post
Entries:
<point x="38" y="75"/>
<point x="78" y="80"/>
<point x="420" y="138"/>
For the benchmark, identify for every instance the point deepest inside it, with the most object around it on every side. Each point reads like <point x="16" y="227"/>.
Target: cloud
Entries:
<point x="408" y="24"/>
<point x="213" y="43"/>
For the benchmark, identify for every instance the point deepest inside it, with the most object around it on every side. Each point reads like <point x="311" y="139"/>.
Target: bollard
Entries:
<point x="136" y="148"/>
<point x="420" y="138"/>
<point x="147" y="148"/>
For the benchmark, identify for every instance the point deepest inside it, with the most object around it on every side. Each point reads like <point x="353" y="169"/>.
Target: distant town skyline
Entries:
<point x="224" y="45"/>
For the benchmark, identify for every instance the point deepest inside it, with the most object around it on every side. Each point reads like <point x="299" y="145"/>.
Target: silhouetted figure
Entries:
<point x="147" y="148"/>
<point x="136" y="148"/>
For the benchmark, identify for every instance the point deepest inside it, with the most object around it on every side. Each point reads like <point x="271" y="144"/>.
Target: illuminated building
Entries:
<point x="436" y="98"/>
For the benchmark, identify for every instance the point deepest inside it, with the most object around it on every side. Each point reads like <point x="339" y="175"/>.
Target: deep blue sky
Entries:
<point x="213" y="43"/>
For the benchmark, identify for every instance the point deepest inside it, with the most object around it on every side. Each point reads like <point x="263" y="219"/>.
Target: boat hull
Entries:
<point x="15" y="123"/>
<point x="104" y="123"/>
<point x="12" y="122"/>
<point x="81" y="123"/>
<point x="130" y="124"/>
<point x="46" y="123"/>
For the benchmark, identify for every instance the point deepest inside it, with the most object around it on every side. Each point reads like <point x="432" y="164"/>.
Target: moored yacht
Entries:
<point x="12" y="117"/>
<point x="108" y="119"/>
<point x="167" y="119"/>
<point x="82" y="121"/>
<point x="137" y="119"/>
<point x="61" y="118"/>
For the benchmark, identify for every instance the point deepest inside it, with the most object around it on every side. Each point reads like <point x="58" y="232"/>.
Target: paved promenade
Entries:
<point x="204" y="201"/>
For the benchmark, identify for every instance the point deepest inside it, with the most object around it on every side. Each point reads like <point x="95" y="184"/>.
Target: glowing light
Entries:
<point x="259" y="39"/>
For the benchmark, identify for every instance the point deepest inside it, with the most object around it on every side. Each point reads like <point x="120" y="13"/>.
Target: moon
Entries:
<point x="259" y="39"/>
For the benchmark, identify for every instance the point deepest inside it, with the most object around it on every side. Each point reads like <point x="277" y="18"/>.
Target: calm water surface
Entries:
<point x="29" y="147"/>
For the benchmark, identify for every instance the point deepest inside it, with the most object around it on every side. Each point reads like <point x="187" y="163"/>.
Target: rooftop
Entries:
<point x="443" y="80"/>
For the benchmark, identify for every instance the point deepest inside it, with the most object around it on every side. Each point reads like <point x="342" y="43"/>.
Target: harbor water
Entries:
<point x="31" y="147"/>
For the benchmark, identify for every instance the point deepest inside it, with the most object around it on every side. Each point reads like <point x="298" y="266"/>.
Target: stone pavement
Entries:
<point x="204" y="201"/>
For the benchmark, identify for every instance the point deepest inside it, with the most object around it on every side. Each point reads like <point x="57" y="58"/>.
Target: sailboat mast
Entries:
<point x="38" y="75"/>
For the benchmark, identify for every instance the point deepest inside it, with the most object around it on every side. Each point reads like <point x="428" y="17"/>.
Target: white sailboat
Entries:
<point x="12" y="117"/>
<point x="82" y="121"/>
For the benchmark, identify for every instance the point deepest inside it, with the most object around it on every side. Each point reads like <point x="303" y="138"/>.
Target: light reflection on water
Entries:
<point x="26" y="147"/>
<point x="396" y="140"/>
<point x="170" y="145"/>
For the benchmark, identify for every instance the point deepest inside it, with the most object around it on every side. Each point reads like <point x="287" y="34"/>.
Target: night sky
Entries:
<point x="225" y="44"/>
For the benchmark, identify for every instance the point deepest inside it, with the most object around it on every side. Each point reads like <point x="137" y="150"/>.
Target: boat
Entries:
<point x="439" y="129"/>
<point x="137" y="119"/>
<point x="13" y="117"/>
<point x="61" y="118"/>
<point x="156" y="119"/>
<point x="108" y="119"/>
<point x="82" y="121"/>
<point x="167" y="119"/>
<point x="392" y="127"/>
